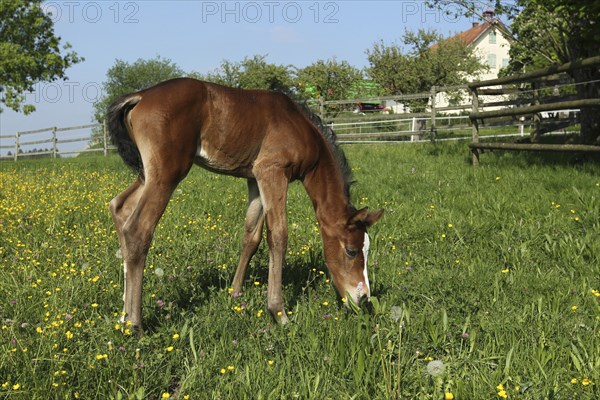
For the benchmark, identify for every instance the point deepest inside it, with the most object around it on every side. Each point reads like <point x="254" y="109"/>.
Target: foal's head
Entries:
<point x="347" y="252"/>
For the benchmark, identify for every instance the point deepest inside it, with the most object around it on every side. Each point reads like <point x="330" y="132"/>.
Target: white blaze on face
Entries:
<point x="366" y="245"/>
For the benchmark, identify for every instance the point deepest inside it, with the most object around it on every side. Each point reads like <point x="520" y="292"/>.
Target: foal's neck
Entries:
<point x="326" y="188"/>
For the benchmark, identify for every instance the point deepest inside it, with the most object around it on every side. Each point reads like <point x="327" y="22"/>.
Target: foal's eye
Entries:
<point x="351" y="253"/>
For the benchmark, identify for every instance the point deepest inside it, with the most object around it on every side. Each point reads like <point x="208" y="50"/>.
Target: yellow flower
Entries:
<point x="574" y="308"/>
<point x="165" y="395"/>
<point x="223" y="370"/>
<point x="325" y="303"/>
<point x="176" y="336"/>
<point x="574" y="381"/>
<point x="586" y="381"/>
<point x="505" y="270"/>
<point x="500" y="387"/>
<point x="502" y="394"/>
<point x="94" y="305"/>
<point x="16" y="386"/>
<point x="169" y="349"/>
<point x="448" y="396"/>
<point x="230" y="368"/>
<point x="69" y="335"/>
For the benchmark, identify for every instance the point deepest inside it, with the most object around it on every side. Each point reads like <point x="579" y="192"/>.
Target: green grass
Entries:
<point x="493" y="270"/>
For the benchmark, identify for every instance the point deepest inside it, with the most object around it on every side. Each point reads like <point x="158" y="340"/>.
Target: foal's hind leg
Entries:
<point x="253" y="225"/>
<point x="121" y="208"/>
<point x="136" y="236"/>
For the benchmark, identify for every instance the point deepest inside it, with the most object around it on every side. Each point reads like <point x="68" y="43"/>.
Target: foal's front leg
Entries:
<point x="273" y="184"/>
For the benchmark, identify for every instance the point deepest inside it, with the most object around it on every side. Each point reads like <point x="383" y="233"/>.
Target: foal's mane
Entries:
<point x="331" y="140"/>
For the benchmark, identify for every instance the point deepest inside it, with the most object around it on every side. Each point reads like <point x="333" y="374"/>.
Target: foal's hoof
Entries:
<point x="280" y="317"/>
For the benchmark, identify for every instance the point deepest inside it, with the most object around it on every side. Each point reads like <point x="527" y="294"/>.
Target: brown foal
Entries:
<point x="259" y="135"/>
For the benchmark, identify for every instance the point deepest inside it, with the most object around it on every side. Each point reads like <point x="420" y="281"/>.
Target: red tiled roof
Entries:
<point x="470" y="35"/>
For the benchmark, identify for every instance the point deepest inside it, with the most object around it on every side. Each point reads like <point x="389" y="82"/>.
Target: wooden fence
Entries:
<point x="535" y="86"/>
<point x="49" y="140"/>
<point x="502" y="107"/>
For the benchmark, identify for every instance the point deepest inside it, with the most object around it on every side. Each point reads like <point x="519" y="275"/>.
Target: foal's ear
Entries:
<point x="364" y="217"/>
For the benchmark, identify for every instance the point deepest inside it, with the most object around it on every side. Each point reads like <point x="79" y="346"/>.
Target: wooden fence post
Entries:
<point x="433" y="95"/>
<point x="537" y="121"/>
<point x="17" y="146"/>
<point x="475" y="139"/>
<point x="54" y="140"/>
<point x="105" y="138"/>
<point x="322" y="108"/>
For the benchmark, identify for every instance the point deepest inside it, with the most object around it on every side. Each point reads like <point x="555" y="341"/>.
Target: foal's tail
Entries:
<point x="119" y="134"/>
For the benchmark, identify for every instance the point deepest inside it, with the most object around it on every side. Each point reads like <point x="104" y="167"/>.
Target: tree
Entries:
<point x="29" y="51"/>
<point x="123" y="78"/>
<point x="253" y="73"/>
<point x="557" y="32"/>
<point x="547" y="32"/>
<point x="327" y="79"/>
<point x="429" y="60"/>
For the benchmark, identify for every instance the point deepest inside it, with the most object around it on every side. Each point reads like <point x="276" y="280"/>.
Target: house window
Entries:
<point x="492" y="37"/>
<point x="491" y="60"/>
<point x="505" y="62"/>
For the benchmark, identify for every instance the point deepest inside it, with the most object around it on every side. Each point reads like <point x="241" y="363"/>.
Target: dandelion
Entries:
<point x="448" y="396"/>
<point x="574" y="308"/>
<point x="165" y="395"/>
<point x="159" y="272"/>
<point x="69" y="335"/>
<point x="270" y="363"/>
<point x="435" y="368"/>
<point x="574" y="381"/>
<point x="325" y="303"/>
<point x="169" y="349"/>
<point x="222" y="371"/>
<point x="586" y="382"/>
<point x="230" y="368"/>
<point x="175" y="336"/>
<point x="505" y="270"/>
<point x="16" y="386"/>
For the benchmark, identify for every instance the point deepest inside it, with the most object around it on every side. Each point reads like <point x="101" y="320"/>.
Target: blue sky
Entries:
<point x="199" y="35"/>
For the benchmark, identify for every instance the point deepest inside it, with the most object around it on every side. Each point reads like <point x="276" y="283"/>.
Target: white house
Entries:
<point x="491" y="40"/>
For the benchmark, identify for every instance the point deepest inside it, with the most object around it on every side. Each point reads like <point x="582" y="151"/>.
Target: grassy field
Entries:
<point x="486" y="284"/>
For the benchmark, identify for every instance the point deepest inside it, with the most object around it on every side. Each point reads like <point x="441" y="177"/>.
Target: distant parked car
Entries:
<point x="367" y="107"/>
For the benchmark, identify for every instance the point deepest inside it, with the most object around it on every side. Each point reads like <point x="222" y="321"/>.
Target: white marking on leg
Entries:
<point x="122" y="319"/>
<point x="366" y="246"/>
